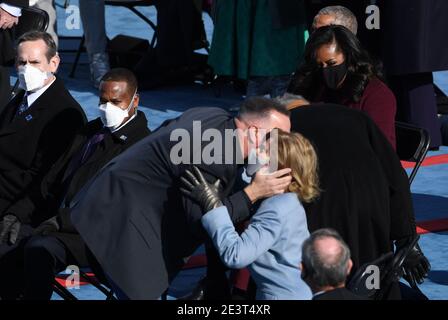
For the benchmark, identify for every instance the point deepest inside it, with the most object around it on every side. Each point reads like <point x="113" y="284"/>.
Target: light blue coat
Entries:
<point x="271" y="246"/>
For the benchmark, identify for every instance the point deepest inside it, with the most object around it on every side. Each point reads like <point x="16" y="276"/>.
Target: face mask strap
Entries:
<point x="132" y="101"/>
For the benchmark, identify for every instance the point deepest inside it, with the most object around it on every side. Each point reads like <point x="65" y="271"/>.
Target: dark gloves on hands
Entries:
<point x="416" y="266"/>
<point x="47" y="227"/>
<point x="9" y="229"/>
<point x="198" y="189"/>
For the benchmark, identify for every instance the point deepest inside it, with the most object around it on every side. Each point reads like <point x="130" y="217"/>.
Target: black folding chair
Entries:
<point x="390" y="268"/>
<point x="65" y="294"/>
<point x="31" y="19"/>
<point x="412" y="145"/>
<point x="131" y="5"/>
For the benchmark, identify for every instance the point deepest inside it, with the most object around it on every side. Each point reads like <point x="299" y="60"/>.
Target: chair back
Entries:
<point x="412" y="145"/>
<point x="32" y="19"/>
<point x="390" y="267"/>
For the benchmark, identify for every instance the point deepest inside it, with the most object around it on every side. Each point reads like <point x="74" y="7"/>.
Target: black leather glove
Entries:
<point x="416" y="266"/>
<point x="9" y="229"/>
<point x="47" y="227"/>
<point x="199" y="190"/>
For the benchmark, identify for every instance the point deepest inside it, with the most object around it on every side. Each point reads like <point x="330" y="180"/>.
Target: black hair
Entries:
<point x="261" y="107"/>
<point x="122" y="75"/>
<point x="45" y="37"/>
<point x="308" y="80"/>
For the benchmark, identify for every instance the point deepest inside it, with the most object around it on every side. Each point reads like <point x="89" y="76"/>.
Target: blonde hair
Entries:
<point x="296" y="152"/>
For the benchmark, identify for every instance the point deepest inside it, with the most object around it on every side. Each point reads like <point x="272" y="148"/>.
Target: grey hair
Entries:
<point x="321" y="272"/>
<point x="342" y="16"/>
<point x="289" y="98"/>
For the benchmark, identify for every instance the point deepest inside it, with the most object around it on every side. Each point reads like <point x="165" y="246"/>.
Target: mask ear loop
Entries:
<point x="132" y="102"/>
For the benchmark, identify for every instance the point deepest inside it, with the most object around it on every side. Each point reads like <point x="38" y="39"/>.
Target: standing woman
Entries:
<point x="260" y="41"/>
<point x="338" y="70"/>
<point x="271" y="245"/>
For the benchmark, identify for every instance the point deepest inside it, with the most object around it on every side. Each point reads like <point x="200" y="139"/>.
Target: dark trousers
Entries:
<point x="416" y="103"/>
<point x="5" y="87"/>
<point x="29" y="269"/>
<point x="217" y="284"/>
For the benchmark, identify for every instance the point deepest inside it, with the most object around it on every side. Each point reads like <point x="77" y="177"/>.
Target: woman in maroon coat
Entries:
<point x="338" y="70"/>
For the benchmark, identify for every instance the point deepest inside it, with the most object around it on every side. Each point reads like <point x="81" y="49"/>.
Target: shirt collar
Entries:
<point x="124" y="124"/>
<point x="319" y="293"/>
<point x="33" y="96"/>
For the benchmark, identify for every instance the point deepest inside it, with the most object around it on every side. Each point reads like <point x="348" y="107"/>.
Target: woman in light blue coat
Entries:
<point x="271" y="245"/>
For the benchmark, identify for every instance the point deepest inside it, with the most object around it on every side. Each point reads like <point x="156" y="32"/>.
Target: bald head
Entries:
<point x="326" y="260"/>
<point x="329" y="250"/>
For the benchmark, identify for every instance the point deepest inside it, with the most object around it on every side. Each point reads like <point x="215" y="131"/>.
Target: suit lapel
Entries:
<point x="34" y="112"/>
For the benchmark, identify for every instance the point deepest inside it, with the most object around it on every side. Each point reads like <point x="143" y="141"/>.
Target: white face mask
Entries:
<point x="31" y="78"/>
<point x="112" y="116"/>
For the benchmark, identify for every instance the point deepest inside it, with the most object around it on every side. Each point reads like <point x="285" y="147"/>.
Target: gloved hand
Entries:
<point x="198" y="189"/>
<point x="416" y="266"/>
<point x="46" y="227"/>
<point x="9" y="229"/>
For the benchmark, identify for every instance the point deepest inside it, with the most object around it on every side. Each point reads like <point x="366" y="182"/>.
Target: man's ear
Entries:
<point x="252" y="134"/>
<point x="349" y="266"/>
<point x="136" y="100"/>
<point x="54" y="63"/>
<point x="304" y="273"/>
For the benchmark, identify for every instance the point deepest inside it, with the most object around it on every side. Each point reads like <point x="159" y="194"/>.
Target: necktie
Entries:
<point x="84" y="154"/>
<point x="23" y="106"/>
<point x="91" y="146"/>
<point x="78" y="160"/>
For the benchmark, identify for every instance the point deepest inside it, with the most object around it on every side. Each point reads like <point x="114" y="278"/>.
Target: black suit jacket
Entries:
<point x="63" y="180"/>
<point x="133" y="217"/>
<point x="31" y="142"/>
<point x="365" y="190"/>
<point x="338" y="294"/>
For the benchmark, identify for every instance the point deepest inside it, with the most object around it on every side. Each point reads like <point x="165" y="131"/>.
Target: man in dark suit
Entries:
<point x="35" y="127"/>
<point x="55" y="243"/>
<point x="9" y="16"/>
<point x="326" y="264"/>
<point x="133" y="216"/>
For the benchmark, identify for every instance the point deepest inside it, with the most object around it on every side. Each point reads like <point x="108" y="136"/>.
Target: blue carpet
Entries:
<point x="435" y="246"/>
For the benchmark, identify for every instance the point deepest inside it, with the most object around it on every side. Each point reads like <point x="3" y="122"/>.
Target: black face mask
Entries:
<point x="334" y="75"/>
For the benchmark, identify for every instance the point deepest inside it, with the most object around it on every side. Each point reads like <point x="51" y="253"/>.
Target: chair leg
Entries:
<point x="78" y="55"/>
<point x="63" y="292"/>
<point x="108" y="293"/>
<point x="153" y="26"/>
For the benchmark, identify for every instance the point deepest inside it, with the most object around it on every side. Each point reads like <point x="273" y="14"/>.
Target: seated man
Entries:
<point x="326" y="264"/>
<point x="55" y="243"/>
<point x="35" y="127"/>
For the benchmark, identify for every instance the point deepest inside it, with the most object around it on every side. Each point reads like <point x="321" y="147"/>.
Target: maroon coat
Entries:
<point x="379" y="102"/>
